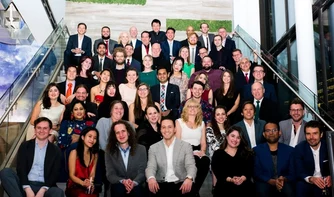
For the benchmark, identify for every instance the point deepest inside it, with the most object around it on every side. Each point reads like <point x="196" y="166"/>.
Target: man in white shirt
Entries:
<point x="171" y="165"/>
<point x="312" y="166"/>
<point x="206" y="38"/>
<point x="293" y="128"/>
<point x="133" y="35"/>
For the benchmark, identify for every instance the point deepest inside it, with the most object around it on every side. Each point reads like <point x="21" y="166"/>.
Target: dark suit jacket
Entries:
<point x="135" y="170"/>
<point x="259" y="126"/>
<point x="158" y="37"/>
<point x="62" y="87"/>
<point x="229" y="44"/>
<point x="136" y="64"/>
<point x="184" y="43"/>
<point x="111" y="44"/>
<point x="221" y="58"/>
<point x="270" y="92"/>
<point x="304" y="160"/>
<point x="138" y="44"/>
<point x="137" y="54"/>
<point x="211" y="37"/>
<point x="73" y="43"/>
<point x="107" y="63"/>
<point x="161" y="62"/>
<point x="263" y="165"/>
<point x="175" y="50"/>
<point x="172" y="97"/>
<point x="240" y="80"/>
<point x="268" y="110"/>
<point x="25" y="159"/>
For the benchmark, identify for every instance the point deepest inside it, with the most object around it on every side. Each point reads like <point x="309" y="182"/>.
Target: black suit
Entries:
<point x="69" y="57"/>
<point x="107" y="63"/>
<point x="229" y="44"/>
<point x="138" y="43"/>
<point x="222" y="58"/>
<point x="137" y="54"/>
<point x="158" y="37"/>
<point x="240" y="80"/>
<point x="172" y="100"/>
<point x="62" y="87"/>
<point x="268" y="110"/>
<point x="185" y="43"/>
<point x="161" y="62"/>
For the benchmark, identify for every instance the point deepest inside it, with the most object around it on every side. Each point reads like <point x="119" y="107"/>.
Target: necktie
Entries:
<point x="128" y="62"/>
<point x="162" y="97"/>
<point x="107" y="49"/>
<point x="257" y="111"/>
<point x="246" y="77"/>
<point x="100" y="64"/>
<point x="147" y="48"/>
<point x="193" y="55"/>
<point x="207" y="43"/>
<point x="69" y="90"/>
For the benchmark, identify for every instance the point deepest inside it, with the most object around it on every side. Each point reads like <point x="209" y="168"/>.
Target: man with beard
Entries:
<point x="273" y="166"/>
<point x="158" y="58"/>
<point x="100" y="61"/>
<point x="312" y="166"/>
<point x="215" y="79"/>
<point x="145" y="48"/>
<point x="105" y="37"/>
<point x="189" y="30"/>
<point x="292" y="129"/>
<point x="193" y="45"/>
<point x="119" y="67"/>
<point x="202" y="52"/>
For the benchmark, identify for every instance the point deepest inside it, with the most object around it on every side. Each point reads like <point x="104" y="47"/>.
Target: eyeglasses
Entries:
<point x="296" y="110"/>
<point x="271" y="130"/>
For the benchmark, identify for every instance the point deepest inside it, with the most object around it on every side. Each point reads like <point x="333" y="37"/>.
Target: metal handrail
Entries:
<point x="28" y="82"/>
<point x="281" y="78"/>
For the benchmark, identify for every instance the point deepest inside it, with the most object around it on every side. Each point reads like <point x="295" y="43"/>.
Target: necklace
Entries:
<point x="101" y="90"/>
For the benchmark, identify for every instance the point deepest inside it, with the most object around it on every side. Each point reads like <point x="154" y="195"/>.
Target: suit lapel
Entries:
<point x="176" y="152"/>
<point x="120" y="160"/>
<point x="246" y="133"/>
<point x="163" y="156"/>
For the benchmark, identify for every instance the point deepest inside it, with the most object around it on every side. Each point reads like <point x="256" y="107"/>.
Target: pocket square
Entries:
<point x="172" y="92"/>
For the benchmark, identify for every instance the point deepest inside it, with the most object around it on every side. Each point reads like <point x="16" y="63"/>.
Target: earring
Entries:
<point x="84" y="116"/>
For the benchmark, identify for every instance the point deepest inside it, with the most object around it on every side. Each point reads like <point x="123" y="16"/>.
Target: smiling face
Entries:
<point x="184" y="53"/>
<point x="217" y="41"/>
<point x="81" y="29"/>
<point x="122" y="135"/>
<point x="167" y="129"/>
<point x="220" y="116"/>
<point x="148" y="62"/>
<point x="87" y="64"/>
<point x="81" y="94"/>
<point x="101" y="50"/>
<point x="133" y="32"/>
<point x="105" y="32"/>
<point x="105" y="76"/>
<point x="248" y="112"/>
<point x="42" y="130"/>
<point x="257" y="90"/>
<point x="204" y="28"/>
<point x="271" y="133"/>
<point x="78" y="111"/>
<point x="119" y="58"/>
<point x="162" y="75"/>
<point x="313" y="136"/>
<point x="197" y="91"/>
<point x="177" y="66"/>
<point x="143" y="91"/>
<point x="170" y="34"/>
<point x="296" y="112"/>
<point x="71" y="73"/>
<point x="131" y="76"/>
<point x="129" y="50"/>
<point x="90" y="138"/>
<point x="117" y="112"/>
<point x="111" y="90"/>
<point x="152" y="115"/>
<point x="53" y="93"/>
<point x="145" y="38"/>
<point x="233" y="139"/>
<point x="202" y="78"/>
<point x="226" y="78"/>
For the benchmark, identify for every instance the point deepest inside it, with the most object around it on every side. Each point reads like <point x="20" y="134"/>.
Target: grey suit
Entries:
<point x="211" y="37"/>
<point x="259" y="126"/>
<point x="286" y="126"/>
<point x="183" y="161"/>
<point x="111" y="44"/>
<point x="135" y="171"/>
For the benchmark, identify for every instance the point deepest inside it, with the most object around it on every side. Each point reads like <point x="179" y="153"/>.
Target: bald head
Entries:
<point x="257" y="90"/>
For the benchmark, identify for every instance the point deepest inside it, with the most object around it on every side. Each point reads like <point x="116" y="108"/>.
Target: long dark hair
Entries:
<point x="112" y="145"/>
<point x="231" y="89"/>
<point x="89" y="71"/>
<point x="174" y="62"/>
<point x="138" y="112"/>
<point x="214" y="124"/>
<point x="45" y="97"/>
<point x="92" y="150"/>
<point x="243" y="148"/>
<point x="76" y="102"/>
<point x="109" y="99"/>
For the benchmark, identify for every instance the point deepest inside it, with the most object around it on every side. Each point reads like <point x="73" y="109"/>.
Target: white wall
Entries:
<point x="58" y="9"/>
<point x="246" y="14"/>
<point x="34" y="15"/>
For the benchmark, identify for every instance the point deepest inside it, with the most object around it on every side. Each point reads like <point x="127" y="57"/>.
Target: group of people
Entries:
<point x="153" y="117"/>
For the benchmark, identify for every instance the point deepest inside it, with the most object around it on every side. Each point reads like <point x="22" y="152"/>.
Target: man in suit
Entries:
<point x="194" y="46"/>
<point x="158" y="57"/>
<point x="145" y="48"/>
<point x="157" y="36"/>
<point x="189" y="31"/>
<point x="273" y="166"/>
<point x="221" y="56"/>
<point x="236" y="55"/>
<point x="100" y="60"/>
<point x="131" y="62"/>
<point x="38" y="166"/>
<point x="170" y="47"/>
<point x="166" y="94"/>
<point x="66" y="88"/>
<point x="293" y="128"/>
<point x="133" y="35"/>
<point x="206" y="38"/>
<point x="265" y="109"/>
<point x="81" y="94"/>
<point x="78" y="45"/>
<point x="243" y="76"/>
<point x="202" y="52"/>
<point x="252" y="129"/>
<point x="215" y="75"/>
<point x="227" y="42"/>
<point x="171" y="165"/>
<point x="105" y="37"/>
<point x="125" y="161"/>
<point x="259" y="74"/>
<point x="312" y="166"/>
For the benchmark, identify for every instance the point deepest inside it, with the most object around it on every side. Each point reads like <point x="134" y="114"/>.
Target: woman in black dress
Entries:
<point x="233" y="166"/>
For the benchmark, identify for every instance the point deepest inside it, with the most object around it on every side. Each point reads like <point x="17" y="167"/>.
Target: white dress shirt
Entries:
<point x="251" y="133"/>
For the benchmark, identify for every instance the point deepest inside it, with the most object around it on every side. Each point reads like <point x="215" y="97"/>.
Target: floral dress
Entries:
<point x="70" y="127"/>
<point x="182" y="82"/>
<point x="212" y="141"/>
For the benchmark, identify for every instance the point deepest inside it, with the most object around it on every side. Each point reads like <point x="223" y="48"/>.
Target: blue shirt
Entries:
<point x="125" y="155"/>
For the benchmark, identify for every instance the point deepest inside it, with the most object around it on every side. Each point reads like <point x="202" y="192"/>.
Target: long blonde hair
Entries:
<point x="199" y="115"/>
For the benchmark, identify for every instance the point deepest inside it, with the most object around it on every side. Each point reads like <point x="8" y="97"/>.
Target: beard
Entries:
<point x="105" y="37"/>
<point x="207" y="68"/>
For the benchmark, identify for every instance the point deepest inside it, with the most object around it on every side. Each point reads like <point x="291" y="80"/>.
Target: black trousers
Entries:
<point x="171" y="190"/>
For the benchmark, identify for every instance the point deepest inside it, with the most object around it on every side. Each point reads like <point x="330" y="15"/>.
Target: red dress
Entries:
<point x="82" y="172"/>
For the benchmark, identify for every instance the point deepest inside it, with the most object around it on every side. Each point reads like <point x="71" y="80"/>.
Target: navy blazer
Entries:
<point x="107" y="63"/>
<point x="138" y="44"/>
<point x="240" y="80"/>
<point x="136" y="64"/>
<point x="229" y="44"/>
<point x="172" y="97"/>
<point x="259" y="126"/>
<point x="304" y="160"/>
<point x="165" y="49"/>
<point x="73" y="43"/>
<point x="263" y="166"/>
<point x="25" y="159"/>
<point x="269" y="93"/>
